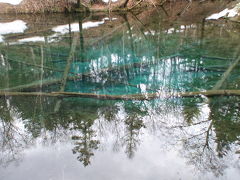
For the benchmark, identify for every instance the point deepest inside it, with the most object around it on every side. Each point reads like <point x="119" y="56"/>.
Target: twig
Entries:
<point x="135" y="5"/>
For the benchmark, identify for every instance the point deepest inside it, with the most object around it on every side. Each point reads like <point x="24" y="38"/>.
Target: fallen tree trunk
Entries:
<point x="39" y="66"/>
<point x="220" y="83"/>
<point x="140" y="97"/>
<point x="67" y="69"/>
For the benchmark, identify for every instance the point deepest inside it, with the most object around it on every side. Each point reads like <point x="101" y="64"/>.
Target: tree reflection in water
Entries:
<point x="85" y="144"/>
<point x="208" y="139"/>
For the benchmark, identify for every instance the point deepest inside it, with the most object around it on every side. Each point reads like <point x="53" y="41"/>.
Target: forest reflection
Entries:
<point x="119" y="55"/>
<point x="209" y="133"/>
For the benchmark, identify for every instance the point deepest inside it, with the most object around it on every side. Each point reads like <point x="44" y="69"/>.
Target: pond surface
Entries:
<point x="168" y="137"/>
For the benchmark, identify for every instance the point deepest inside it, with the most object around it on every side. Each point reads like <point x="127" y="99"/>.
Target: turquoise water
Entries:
<point x="86" y="138"/>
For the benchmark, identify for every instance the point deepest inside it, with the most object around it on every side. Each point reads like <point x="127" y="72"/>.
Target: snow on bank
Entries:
<point x="64" y="29"/>
<point x="17" y="26"/>
<point x="13" y="2"/>
<point x="33" y="39"/>
<point x="74" y="27"/>
<point x="226" y="13"/>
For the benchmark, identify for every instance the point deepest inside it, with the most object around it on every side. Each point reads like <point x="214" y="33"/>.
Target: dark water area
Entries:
<point x="43" y="137"/>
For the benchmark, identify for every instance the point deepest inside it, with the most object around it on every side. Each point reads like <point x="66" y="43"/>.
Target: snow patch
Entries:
<point x="75" y="26"/>
<point x="151" y="32"/>
<point x="90" y="24"/>
<point x="13" y="2"/>
<point x="225" y="13"/>
<point x="17" y="26"/>
<point x="32" y="39"/>
<point x="170" y="31"/>
<point x="108" y="19"/>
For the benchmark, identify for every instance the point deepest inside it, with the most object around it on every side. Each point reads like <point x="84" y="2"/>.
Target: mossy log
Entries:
<point x="140" y="97"/>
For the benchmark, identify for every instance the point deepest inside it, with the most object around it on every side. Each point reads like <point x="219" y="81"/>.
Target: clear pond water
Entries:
<point x="73" y="138"/>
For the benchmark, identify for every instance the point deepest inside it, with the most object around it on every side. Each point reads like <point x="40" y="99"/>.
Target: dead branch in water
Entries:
<point x="39" y="66"/>
<point x="140" y="97"/>
<point x="220" y="83"/>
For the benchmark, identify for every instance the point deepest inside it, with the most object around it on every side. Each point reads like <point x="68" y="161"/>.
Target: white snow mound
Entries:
<point x="226" y="13"/>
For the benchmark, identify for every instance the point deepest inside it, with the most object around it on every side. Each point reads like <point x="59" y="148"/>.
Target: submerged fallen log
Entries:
<point x="217" y="58"/>
<point x="226" y="74"/>
<point x="140" y="97"/>
<point x="39" y="66"/>
<point x="67" y="69"/>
